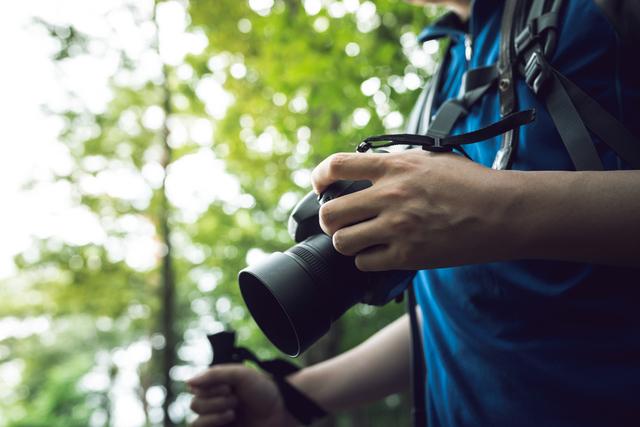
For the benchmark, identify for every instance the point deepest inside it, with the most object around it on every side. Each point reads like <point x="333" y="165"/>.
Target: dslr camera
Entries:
<point x="295" y="296"/>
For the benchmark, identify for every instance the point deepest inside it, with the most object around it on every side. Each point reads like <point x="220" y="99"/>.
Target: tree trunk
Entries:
<point x="167" y="289"/>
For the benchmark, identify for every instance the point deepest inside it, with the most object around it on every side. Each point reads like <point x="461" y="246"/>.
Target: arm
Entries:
<point x="430" y="210"/>
<point x="578" y="216"/>
<point x="378" y="367"/>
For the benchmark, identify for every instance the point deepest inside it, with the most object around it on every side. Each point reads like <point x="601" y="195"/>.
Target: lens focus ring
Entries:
<point x="319" y="270"/>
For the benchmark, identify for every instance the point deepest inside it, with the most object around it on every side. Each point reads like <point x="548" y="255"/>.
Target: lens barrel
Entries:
<point x="295" y="296"/>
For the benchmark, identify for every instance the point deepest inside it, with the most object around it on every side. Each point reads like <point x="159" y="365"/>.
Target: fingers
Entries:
<point x="213" y="401"/>
<point x="355" y="166"/>
<point x="388" y="241"/>
<point x="218" y="375"/>
<point x="348" y="210"/>
<point x="376" y="258"/>
<point x="213" y="405"/>
<point x="217" y="390"/>
<point x="354" y="239"/>
<point x="214" y="420"/>
<point x="374" y="245"/>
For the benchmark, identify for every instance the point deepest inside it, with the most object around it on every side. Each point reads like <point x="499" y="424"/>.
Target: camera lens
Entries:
<point x="295" y="296"/>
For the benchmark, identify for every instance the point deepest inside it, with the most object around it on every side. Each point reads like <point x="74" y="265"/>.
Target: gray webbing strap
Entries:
<point x="475" y="84"/>
<point x="571" y="128"/>
<point x="603" y="124"/>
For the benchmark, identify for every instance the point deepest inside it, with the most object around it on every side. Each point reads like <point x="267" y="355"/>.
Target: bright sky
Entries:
<point x="28" y="146"/>
<point x="27" y="139"/>
<point x="30" y="152"/>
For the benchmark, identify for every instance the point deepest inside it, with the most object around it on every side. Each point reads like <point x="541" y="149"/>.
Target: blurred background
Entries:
<point x="150" y="151"/>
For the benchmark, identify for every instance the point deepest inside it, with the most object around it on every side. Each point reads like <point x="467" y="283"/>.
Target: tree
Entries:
<point x="214" y="144"/>
<point x="307" y="79"/>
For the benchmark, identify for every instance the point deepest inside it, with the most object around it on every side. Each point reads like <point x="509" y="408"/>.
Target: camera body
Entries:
<point x="295" y="296"/>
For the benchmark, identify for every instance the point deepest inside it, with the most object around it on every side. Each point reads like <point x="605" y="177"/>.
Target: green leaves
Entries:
<point x="189" y="173"/>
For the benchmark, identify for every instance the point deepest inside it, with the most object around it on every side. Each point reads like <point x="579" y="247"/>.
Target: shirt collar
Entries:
<point x="448" y="25"/>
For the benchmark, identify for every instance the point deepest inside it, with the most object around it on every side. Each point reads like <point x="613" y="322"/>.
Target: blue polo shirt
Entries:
<point x="535" y="342"/>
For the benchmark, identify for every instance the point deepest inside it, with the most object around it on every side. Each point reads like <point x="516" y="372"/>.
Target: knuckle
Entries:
<point x="335" y="162"/>
<point x="400" y="193"/>
<point x="397" y="162"/>
<point x="404" y="255"/>
<point x="394" y="195"/>
<point x="402" y="225"/>
<point x="324" y="216"/>
<point x="338" y="243"/>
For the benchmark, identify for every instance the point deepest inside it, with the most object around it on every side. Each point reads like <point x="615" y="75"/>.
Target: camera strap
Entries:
<point x="418" y="370"/>
<point x="297" y="403"/>
<point x="450" y="143"/>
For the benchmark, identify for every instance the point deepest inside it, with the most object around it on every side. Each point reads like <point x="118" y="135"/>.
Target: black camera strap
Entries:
<point x="297" y="403"/>
<point x="418" y="370"/>
<point x="450" y="143"/>
<point x="507" y="124"/>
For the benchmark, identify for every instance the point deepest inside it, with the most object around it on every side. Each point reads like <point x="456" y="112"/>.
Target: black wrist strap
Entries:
<point x="297" y="403"/>
<point x="449" y="143"/>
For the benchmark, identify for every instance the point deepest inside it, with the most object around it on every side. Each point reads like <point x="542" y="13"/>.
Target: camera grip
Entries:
<point x="342" y="188"/>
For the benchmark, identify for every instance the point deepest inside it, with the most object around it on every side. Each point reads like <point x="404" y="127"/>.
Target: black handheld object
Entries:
<point x="295" y="296"/>
<point x="296" y="402"/>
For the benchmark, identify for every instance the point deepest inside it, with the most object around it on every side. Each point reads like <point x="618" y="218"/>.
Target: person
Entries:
<point x="528" y="285"/>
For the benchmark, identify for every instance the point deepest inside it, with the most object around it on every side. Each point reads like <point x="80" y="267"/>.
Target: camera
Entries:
<point x="295" y="296"/>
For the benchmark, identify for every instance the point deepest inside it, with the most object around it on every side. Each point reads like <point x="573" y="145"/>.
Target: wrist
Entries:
<point x="510" y="226"/>
<point x="298" y="404"/>
<point x="310" y="385"/>
<point x="573" y="216"/>
<point x="497" y="208"/>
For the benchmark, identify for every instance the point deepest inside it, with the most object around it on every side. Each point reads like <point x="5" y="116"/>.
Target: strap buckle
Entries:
<point x="527" y="36"/>
<point x="364" y="147"/>
<point x="535" y="30"/>
<point x="437" y="146"/>
<point x="537" y="71"/>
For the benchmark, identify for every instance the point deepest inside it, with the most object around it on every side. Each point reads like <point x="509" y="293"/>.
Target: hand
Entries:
<point x="424" y="210"/>
<point x="225" y="393"/>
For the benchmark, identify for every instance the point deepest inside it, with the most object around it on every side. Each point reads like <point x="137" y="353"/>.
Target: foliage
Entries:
<point x="278" y="88"/>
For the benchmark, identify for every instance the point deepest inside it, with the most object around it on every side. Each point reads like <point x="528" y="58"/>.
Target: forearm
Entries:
<point x="575" y="216"/>
<point x="376" y="368"/>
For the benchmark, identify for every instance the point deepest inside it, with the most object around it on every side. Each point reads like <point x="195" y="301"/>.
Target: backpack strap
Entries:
<point x="420" y="118"/>
<point x="527" y="45"/>
<point x="601" y="123"/>
<point x="572" y="111"/>
<point x="449" y="25"/>
<point x="475" y="83"/>
<point x="506" y="85"/>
